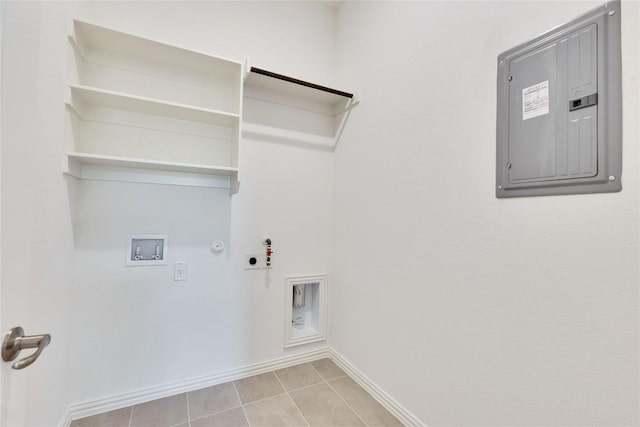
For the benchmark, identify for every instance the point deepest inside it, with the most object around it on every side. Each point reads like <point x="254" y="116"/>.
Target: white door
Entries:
<point x="36" y="242"/>
<point x="12" y="387"/>
<point x="14" y="292"/>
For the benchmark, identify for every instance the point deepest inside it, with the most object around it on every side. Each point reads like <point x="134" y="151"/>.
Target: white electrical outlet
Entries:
<point x="253" y="261"/>
<point x="180" y="272"/>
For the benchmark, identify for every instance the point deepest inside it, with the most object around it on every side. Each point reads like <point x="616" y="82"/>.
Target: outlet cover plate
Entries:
<point x="181" y="271"/>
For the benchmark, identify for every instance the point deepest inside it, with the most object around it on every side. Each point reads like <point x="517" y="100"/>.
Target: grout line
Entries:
<point x="344" y="374"/>
<point x="279" y="381"/>
<point x="188" y="410"/>
<point x="338" y="377"/>
<point x="321" y="376"/>
<point x="266" y="398"/>
<point x="131" y="415"/>
<point x="306" y="387"/>
<point x="299" y="410"/>
<point x="346" y="403"/>
<point x="339" y="395"/>
<point x="215" y="413"/>
<point x="241" y="405"/>
<point x="291" y="399"/>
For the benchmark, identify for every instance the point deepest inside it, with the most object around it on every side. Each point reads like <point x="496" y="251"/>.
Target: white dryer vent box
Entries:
<point x="559" y="118"/>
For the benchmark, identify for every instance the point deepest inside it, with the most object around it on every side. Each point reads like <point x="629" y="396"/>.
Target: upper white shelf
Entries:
<point x="139" y="104"/>
<point x="281" y="108"/>
<point x="124" y="63"/>
<point x="90" y="37"/>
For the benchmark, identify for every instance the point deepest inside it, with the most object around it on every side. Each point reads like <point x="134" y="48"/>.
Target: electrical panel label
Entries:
<point x="535" y="100"/>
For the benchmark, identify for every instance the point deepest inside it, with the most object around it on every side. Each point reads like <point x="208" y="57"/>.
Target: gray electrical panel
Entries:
<point x="559" y="122"/>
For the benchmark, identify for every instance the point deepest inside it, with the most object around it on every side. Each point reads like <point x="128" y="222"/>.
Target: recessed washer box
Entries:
<point x="146" y="249"/>
<point x="559" y="117"/>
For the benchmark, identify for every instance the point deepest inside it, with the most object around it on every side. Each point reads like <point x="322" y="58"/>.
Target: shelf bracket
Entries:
<point x="346" y="112"/>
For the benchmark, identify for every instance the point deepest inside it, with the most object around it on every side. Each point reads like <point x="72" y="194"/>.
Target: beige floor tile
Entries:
<point x="310" y="402"/>
<point x="298" y="376"/>
<point x="328" y="369"/>
<point x="164" y="412"/>
<point x="321" y="406"/>
<point x="258" y="387"/>
<point x="117" y="418"/>
<point x="366" y="406"/>
<point x="231" y="418"/>
<point x="279" y="411"/>
<point x="214" y="399"/>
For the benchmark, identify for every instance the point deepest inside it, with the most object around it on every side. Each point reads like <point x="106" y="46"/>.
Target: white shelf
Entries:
<point x="111" y="60"/>
<point x="90" y="38"/>
<point x="103" y="160"/>
<point x="281" y="108"/>
<point x="143" y="105"/>
<point x="141" y="110"/>
<point x="296" y="87"/>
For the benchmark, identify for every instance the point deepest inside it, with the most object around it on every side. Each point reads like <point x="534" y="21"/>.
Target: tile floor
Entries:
<point x="312" y="394"/>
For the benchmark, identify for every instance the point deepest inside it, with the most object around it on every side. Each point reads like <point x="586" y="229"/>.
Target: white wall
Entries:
<point x="135" y="327"/>
<point x="467" y="309"/>
<point x="493" y="312"/>
<point x="37" y="240"/>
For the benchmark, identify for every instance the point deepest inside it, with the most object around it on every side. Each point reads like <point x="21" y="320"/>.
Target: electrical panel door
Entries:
<point x="559" y="110"/>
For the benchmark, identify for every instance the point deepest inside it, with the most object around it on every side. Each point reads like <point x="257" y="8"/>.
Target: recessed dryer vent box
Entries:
<point x="559" y="123"/>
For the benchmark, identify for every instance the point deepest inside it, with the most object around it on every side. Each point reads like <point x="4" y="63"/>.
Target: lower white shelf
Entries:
<point x="114" y="168"/>
<point x="99" y="159"/>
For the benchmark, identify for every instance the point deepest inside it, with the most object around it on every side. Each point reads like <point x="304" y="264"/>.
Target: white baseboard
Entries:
<point x="66" y="418"/>
<point x="94" y="407"/>
<point x="390" y="404"/>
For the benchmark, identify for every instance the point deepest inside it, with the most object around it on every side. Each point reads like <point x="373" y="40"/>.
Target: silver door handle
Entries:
<point x="14" y="341"/>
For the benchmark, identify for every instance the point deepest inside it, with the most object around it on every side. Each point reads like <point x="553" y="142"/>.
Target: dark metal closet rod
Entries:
<point x="300" y="82"/>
